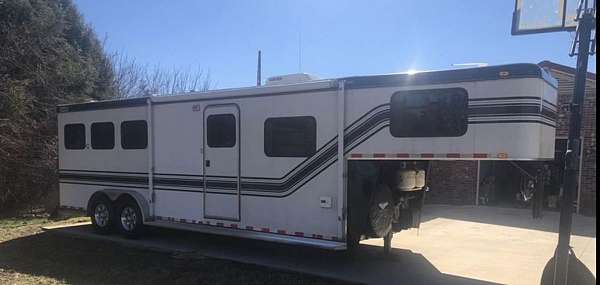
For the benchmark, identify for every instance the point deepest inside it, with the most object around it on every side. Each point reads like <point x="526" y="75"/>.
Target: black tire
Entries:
<point x="352" y="241"/>
<point x="353" y="234"/>
<point x="101" y="213"/>
<point x="129" y="218"/>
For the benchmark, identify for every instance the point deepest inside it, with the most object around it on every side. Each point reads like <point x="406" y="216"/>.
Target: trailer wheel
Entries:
<point x="101" y="214"/>
<point x="129" y="218"/>
<point x="352" y="241"/>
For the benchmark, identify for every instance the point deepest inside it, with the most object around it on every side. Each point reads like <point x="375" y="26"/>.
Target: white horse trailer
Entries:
<point x="316" y="162"/>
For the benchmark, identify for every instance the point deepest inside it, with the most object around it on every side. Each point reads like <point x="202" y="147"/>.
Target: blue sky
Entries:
<point x="338" y="38"/>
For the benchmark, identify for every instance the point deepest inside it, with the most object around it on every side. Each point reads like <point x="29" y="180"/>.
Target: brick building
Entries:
<point x="460" y="182"/>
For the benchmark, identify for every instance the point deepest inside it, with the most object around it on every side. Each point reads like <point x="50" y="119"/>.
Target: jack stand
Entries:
<point x="539" y="193"/>
<point x="387" y="243"/>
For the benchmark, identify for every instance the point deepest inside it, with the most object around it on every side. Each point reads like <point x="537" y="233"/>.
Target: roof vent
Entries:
<point x="290" y="79"/>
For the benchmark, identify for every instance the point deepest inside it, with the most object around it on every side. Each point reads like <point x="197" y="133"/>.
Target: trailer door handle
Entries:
<point x="207" y="163"/>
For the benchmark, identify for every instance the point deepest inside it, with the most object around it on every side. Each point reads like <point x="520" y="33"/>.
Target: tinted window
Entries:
<point x="429" y="113"/>
<point x="103" y="135"/>
<point x="290" y="136"/>
<point x="74" y="136"/>
<point x="220" y="130"/>
<point x="134" y="134"/>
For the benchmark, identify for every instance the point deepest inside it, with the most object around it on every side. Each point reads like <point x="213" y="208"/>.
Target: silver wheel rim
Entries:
<point x="101" y="215"/>
<point x="128" y="218"/>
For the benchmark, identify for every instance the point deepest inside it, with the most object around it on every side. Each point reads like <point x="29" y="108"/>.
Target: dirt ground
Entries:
<point x="30" y="256"/>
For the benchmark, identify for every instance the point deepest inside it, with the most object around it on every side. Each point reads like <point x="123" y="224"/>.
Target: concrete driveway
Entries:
<point x="455" y="245"/>
<point x="501" y="245"/>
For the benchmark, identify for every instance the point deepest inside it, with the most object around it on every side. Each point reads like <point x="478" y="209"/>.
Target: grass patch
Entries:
<point x="30" y="256"/>
<point x="30" y="224"/>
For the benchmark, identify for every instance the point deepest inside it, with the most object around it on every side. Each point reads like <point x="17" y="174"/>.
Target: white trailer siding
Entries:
<point x="287" y="198"/>
<point x="97" y="163"/>
<point x="493" y="136"/>
<point x="178" y="146"/>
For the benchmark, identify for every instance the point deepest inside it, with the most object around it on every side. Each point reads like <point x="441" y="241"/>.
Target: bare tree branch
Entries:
<point x="133" y="79"/>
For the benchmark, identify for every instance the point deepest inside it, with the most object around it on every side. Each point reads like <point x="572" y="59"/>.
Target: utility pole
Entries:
<point x="300" y="51"/>
<point x="258" y="70"/>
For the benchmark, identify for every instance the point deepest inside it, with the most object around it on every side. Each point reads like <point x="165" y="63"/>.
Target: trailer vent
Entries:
<point x="290" y="79"/>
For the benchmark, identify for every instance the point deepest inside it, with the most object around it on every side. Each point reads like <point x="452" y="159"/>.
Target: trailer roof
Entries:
<point x="510" y="71"/>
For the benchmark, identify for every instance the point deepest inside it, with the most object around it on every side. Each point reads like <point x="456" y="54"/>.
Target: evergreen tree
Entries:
<point x="48" y="56"/>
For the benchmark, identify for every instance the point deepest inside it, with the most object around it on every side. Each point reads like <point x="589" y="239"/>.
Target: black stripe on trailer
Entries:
<point x="512" y="98"/>
<point x="297" y="188"/>
<point x="179" y="182"/>
<point x="102" y="184"/>
<point x="355" y="132"/>
<point x="512" y="121"/>
<point x="101" y="105"/>
<point x="551" y="114"/>
<point x="500" y="72"/>
<point x="65" y="171"/>
<point x="116" y="185"/>
<point x="141" y="180"/>
<point x="511" y="110"/>
<point x="294" y="179"/>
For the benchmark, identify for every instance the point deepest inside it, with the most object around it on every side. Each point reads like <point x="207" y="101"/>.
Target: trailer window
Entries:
<point x="220" y="130"/>
<point x="290" y="136"/>
<point x="134" y="134"/>
<point x="74" y="136"/>
<point x="103" y="135"/>
<point x="429" y="113"/>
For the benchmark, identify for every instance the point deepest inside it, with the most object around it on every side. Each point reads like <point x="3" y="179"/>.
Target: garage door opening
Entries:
<point x="512" y="184"/>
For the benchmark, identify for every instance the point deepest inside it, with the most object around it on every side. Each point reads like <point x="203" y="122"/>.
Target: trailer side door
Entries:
<point x="222" y="162"/>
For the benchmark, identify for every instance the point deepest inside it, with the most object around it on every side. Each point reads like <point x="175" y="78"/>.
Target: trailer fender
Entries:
<point x="114" y="194"/>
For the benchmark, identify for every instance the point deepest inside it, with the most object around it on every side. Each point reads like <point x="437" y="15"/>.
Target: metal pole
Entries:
<point x="538" y="194"/>
<point x="478" y="182"/>
<point x="578" y="202"/>
<point x="585" y="27"/>
<point x="341" y="162"/>
<point x="258" y="70"/>
<point x="150" y="146"/>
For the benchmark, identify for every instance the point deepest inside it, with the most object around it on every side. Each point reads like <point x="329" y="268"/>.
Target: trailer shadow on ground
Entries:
<point x="77" y="255"/>
<point x="510" y="217"/>
<point x="49" y="258"/>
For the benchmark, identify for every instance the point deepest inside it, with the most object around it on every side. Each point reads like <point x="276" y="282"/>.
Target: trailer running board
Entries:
<point x="325" y="244"/>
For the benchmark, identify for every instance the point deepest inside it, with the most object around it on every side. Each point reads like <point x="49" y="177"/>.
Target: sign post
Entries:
<point x="536" y="16"/>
